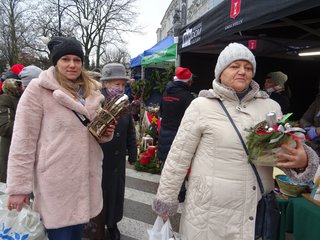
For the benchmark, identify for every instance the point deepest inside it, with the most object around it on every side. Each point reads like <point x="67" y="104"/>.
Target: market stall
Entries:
<point x="300" y="217"/>
<point x="161" y="45"/>
<point x="161" y="58"/>
<point x="276" y="31"/>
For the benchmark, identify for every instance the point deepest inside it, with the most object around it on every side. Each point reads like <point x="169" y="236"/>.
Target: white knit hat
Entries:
<point x="279" y="78"/>
<point x="28" y="73"/>
<point x="231" y="53"/>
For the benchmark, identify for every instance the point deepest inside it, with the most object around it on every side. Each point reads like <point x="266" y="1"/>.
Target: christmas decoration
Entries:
<point x="148" y="161"/>
<point x="265" y="139"/>
<point x="112" y="109"/>
<point x="153" y="167"/>
<point x="145" y="158"/>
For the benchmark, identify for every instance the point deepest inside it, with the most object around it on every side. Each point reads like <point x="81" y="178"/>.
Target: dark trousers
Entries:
<point x="66" y="233"/>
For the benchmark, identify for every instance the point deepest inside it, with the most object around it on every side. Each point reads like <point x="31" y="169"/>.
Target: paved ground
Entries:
<point x="140" y="190"/>
<point x="138" y="216"/>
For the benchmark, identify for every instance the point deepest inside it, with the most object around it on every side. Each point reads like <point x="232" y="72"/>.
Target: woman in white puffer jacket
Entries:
<point x="223" y="192"/>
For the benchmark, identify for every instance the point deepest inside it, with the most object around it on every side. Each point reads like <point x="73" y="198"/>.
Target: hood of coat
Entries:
<point x="177" y="86"/>
<point x="221" y="91"/>
<point x="47" y="81"/>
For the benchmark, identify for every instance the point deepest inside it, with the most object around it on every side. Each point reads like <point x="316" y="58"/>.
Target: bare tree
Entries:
<point x="41" y="22"/>
<point x="98" y="24"/>
<point x="115" y="55"/>
<point x="10" y="15"/>
<point x="102" y="22"/>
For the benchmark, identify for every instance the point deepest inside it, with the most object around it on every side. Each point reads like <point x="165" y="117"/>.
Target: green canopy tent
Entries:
<point x="161" y="58"/>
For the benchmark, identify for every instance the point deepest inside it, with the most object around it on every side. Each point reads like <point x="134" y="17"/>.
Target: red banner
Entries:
<point x="235" y="8"/>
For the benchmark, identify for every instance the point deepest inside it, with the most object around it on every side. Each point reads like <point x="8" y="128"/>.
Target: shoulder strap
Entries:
<point x="243" y="145"/>
<point x="85" y="121"/>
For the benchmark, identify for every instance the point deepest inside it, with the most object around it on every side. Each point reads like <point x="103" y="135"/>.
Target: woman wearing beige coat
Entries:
<point x="52" y="153"/>
<point x="223" y="192"/>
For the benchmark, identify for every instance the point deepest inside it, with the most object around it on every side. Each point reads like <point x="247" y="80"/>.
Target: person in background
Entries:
<point x="311" y="122"/>
<point x="95" y="74"/>
<point x="28" y="73"/>
<point x="175" y="100"/>
<point x="12" y="91"/>
<point x="113" y="80"/>
<point x="13" y="72"/>
<point x="17" y="68"/>
<point x="128" y="90"/>
<point x="274" y="85"/>
<point x="223" y="192"/>
<point x="52" y="153"/>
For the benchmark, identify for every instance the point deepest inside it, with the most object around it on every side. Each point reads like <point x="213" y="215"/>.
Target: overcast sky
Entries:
<point x="151" y="14"/>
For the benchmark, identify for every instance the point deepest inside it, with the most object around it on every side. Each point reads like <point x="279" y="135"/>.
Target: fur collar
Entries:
<point x="48" y="81"/>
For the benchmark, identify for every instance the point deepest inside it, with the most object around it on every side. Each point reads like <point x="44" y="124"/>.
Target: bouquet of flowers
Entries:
<point x="112" y="109"/>
<point x="153" y="109"/>
<point x="265" y="138"/>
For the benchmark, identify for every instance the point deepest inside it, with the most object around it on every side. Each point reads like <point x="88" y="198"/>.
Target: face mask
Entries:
<point x="270" y="90"/>
<point x="114" y="91"/>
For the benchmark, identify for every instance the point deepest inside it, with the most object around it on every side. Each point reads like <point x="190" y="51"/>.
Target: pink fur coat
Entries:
<point x="53" y="154"/>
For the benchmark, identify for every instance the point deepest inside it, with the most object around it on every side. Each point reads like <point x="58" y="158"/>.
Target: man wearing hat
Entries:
<point x="113" y="79"/>
<point x="12" y="91"/>
<point x="175" y="100"/>
<point x="275" y="86"/>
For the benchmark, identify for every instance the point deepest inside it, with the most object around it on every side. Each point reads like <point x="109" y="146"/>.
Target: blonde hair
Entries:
<point x="84" y="81"/>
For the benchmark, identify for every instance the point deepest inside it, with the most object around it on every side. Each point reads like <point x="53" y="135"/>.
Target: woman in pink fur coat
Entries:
<point x="52" y="154"/>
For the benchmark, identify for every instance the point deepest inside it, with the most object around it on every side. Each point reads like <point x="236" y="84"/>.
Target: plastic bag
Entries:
<point x="22" y="225"/>
<point x="161" y="230"/>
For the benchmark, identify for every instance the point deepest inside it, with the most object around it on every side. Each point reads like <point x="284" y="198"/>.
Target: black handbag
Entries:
<point x="267" y="218"/>
<point x="268" y="213"/>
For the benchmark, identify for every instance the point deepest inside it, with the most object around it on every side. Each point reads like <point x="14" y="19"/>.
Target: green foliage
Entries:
<point x="142" y="88"/>
<point x="161" y="79"/>
<point x="157" y="82"/>
<point x="152" y="167"/>
<point x="259" y="143"/>
<point x="152" y="130"/>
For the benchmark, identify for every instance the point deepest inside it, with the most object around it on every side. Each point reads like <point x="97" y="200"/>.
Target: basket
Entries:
<point x="288" y="187"/>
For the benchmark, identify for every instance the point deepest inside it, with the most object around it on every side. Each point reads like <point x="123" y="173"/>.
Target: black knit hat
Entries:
<point x="60" y="46"/>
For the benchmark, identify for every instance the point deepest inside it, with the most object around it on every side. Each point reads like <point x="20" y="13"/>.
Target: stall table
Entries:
<point x="300" y="217"/>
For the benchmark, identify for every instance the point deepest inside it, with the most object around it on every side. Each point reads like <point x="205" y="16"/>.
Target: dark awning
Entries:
<point x="278" y="28"/>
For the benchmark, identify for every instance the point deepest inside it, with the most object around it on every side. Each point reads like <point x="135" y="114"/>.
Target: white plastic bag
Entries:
<point x="161" y="230"/>
<point x="22" y="225"/>
<point x="2" y="188"/>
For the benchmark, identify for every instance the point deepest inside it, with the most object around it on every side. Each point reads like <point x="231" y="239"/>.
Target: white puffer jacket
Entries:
<point x="223" y="192"/>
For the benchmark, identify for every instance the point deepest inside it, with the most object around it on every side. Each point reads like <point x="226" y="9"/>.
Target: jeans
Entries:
<point x="66" y="233"/>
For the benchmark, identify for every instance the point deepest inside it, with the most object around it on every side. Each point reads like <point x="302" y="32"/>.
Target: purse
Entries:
<point x="268" y="213"/>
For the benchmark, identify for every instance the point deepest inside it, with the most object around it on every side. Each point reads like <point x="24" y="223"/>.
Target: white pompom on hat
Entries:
<point x="231" y="53"/>
<point x="182" y="74"/>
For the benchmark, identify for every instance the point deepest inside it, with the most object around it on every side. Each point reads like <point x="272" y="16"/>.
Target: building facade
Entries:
<point x="182" y="12"/>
